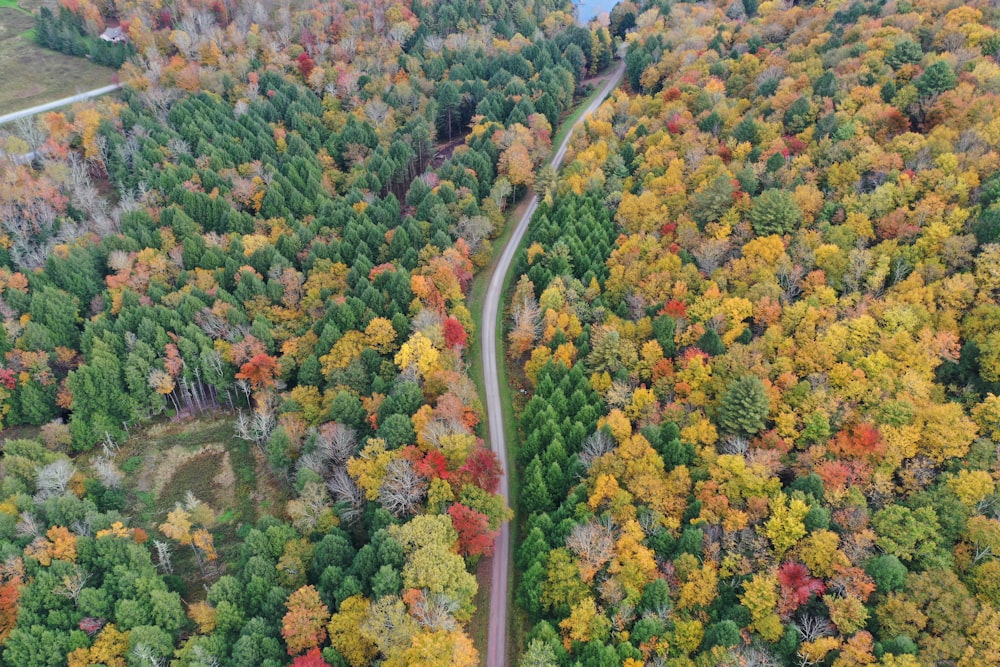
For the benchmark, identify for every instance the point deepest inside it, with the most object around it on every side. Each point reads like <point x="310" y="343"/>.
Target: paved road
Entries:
<point x="497" y="637"/>
<point x="66" y="101"/>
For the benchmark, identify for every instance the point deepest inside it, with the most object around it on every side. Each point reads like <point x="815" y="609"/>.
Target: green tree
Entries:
<point x="888" y="572"/>
<point x="906" y="52"/>
<point x="774" y="212"/>
<point x="449" y="101"/>
<point x="936" y="79"/>
<point x="708" y="204"/>
<point x="744" y="407"/>
<point x="798" y="116"/>
<point x="663" y="330"/>
<point x="535" y="492"/>
<point x="906" y="534"/>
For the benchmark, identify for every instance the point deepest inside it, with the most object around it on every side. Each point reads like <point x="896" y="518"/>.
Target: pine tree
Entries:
<point x="744" y="407"/>
<point x="535" y="493"/>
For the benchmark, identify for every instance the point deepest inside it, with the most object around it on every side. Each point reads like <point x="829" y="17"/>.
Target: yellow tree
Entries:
<point x="760" y="596"/>
<point x="344" y="635"/>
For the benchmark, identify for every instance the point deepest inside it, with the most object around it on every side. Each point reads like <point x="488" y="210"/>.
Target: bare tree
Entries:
<point x="27" y="526"/>
<point x="377" y="112"/>
<point x="204" y="658"/>
<point x="596" y="445"/>
<point x="811" y="627"/>
<point x="31" y="130"/>
<point x="306" y="510"/>
<point x="73" y="584"/>
<point x="434" y="44"/>
<point x="735" y="444"/>
<point x="474" y="230"/>
<point x="402" y="488"/>
<point x="256" y="426"/>
<point x="593" y="543"/>
<point x="437" y="429"/>
<point x="333" y="444"/>
<point x="348" y="493"/>
<point x="436" y="611"/>
<point x="163" y="555"/>
<point x="757" y="656"/>
<point x="107" y="473"/>
<point x="147" y="657"/>
<point x="53" y="479"/>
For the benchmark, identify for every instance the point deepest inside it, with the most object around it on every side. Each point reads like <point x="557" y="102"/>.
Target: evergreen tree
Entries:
<point x="744" y="407"/>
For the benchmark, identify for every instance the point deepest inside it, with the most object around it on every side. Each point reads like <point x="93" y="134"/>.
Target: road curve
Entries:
<point x="66" y="101"/>
<point x="499" y="577"/>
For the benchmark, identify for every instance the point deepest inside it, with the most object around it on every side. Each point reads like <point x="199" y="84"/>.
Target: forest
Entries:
<point x="752" y="318"/>
<point x="239" y="423"/>
<point x="756" y="387"/>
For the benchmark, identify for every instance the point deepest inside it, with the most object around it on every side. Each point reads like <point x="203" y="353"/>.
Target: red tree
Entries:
<point x="483" y="469"/>
<point x="311" y="659"/>
<point x="9" y="595"/>
<point x="454" y="333"/>
<point x="796" y="586"/>
<point x="306" y="64"/>
<point x="259" y="371"/>
<point x="474" y="535"/>
<point x="433" y="465"/>
<point x="861" y="441"/>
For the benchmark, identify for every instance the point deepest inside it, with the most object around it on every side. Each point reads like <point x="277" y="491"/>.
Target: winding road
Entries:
<point x="499" y="577"/>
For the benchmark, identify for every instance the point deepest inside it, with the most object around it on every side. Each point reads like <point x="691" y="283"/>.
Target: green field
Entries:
<point x="31" y="75"/>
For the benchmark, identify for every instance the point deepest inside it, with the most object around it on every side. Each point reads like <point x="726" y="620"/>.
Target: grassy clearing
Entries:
<point x="12" y="4"/>
<point x="165" y="460"/>
<point x="31" y="75"/>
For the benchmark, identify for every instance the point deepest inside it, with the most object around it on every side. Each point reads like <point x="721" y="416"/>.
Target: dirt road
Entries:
<point x="66" y="101"/>
<point x="499" y="578"/>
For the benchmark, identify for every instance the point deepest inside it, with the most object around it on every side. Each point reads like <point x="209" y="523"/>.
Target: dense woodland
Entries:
<point x="283" y="236"/>
<point x="756" y="318"/>
<point x="753" y="321"/>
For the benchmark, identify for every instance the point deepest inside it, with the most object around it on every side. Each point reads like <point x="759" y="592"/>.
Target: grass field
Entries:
<point x="31" y="75"/>
<point x="163" y="461"/>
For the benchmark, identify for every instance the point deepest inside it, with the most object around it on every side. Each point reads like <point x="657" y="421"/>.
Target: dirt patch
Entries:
<point x="444" y="151"/>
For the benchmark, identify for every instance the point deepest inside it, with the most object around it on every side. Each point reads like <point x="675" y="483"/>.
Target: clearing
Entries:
<point x="164" y="461"/>
<point x="31" y="75"/>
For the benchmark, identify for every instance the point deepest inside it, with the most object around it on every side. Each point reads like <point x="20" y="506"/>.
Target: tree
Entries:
<point x="449" y="101"/>
<point x="760" y="596"/>
<point x="744" y="407"/>
<point x="905" y="533"/>
<point x="516" y="164"/>
<point x="304" y="624"/>
<point x="774" y="212"/>
<point x="454" y="333"/>
<point x="714" y="199"/>
<point x="906" y="52"/>
<point x="443" y="648"/>
<point x="936" y="79"/>
<point x="344" y="634"/>
<point x="796" y="586"/>
<point x="483" y="469"/>
<point x="888" y="572"/>
<point x="259" y="371"/>
<point x="474" y="535"/>
<point x="535" y="493"/>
